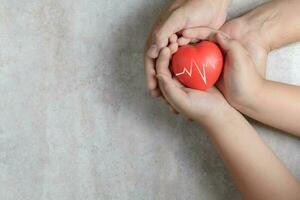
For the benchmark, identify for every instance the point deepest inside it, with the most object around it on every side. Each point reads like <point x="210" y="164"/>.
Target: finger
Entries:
<point x="150" y="73"/>
<point x="173" y="47"/>
<point x="149" y="63"/>
<point x="175" y="96"/>
<point x="183" y="41"/>
<point x="173" y="24"/>
<point x="201" y="33"/>
<point x="163" y="61"/>
<point x="168" y="90"/>
<point x="151" y="49"/>
<point x="173" y="38"/>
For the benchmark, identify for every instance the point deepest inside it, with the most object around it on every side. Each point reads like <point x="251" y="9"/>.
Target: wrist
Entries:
<point x="251" y="103"/>
<point x="226" y="117"/>
<point x="216" y="117"/>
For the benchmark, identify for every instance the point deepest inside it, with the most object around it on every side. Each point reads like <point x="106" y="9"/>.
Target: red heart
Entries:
<point x="198" y="66"/>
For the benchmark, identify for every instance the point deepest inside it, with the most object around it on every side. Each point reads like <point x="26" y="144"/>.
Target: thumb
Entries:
<point x="174" y="95"/>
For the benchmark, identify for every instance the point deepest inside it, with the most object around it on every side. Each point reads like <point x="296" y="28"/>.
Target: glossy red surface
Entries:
<point x="198" y="66"/>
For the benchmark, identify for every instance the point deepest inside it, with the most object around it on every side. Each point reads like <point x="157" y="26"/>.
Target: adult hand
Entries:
<point x="180" y="15"/>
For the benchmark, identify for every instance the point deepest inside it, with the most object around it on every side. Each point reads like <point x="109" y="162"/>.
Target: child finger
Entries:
<point x="183" y="41"/>
<point x="173" y="38"/>
<point x="150" y="73"/>
<point x="173" y="47"/>
<point x="163" y="61"/>
<point x="175" y="96"/>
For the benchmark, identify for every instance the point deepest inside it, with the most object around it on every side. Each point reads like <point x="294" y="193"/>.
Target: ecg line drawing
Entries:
<point x="190" y="70"/>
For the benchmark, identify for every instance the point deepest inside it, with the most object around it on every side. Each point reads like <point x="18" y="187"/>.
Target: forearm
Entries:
<point x="257" y="172"/>
<point x="277" y="105"/>
<point x="278" y="22"/>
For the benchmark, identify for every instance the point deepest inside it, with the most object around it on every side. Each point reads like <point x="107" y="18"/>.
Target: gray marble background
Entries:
<point x="76" y="120"/>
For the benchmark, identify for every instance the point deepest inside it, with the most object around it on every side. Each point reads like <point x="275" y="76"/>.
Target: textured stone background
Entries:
<point x="76" y="121"/>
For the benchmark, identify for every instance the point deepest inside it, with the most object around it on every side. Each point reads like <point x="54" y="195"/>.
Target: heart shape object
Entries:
<point x="198" y="66"/>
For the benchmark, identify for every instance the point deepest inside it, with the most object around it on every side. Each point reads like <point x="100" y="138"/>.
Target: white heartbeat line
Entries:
<point x="190" y="70"/>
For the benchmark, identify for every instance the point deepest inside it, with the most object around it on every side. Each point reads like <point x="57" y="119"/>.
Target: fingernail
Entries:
<point x="153" y="51"/>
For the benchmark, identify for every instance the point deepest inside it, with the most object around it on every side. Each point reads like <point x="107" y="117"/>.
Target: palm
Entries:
<point x="200" y="103"/>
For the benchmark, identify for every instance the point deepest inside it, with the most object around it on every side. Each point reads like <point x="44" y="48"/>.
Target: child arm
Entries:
<point x="257" y="172"/>
<point x="276" y="104"/>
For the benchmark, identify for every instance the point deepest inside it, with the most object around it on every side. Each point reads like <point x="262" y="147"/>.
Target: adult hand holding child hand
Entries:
<point x="239" y="82"/>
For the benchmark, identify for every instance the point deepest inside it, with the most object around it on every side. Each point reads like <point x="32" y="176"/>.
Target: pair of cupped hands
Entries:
<point x="190" y="21"/>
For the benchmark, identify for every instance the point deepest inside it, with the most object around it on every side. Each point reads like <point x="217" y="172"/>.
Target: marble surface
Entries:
<point x="76" y="120"/>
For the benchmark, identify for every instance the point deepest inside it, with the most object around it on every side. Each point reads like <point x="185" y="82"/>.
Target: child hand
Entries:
<point x="203" y="106"/>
